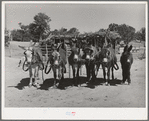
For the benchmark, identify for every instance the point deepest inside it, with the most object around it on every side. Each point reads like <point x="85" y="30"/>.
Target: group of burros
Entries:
<point x="89" y="56"/>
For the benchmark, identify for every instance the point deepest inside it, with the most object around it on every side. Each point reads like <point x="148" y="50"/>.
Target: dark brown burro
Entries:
<point x="126" y="62"/>
<point x="57" y="62"/>
<point x="75" y="61"/>
<point x="108" y="60"/>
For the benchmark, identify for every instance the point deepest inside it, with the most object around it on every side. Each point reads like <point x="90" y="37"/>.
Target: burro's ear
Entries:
<point x="129" y="49"/>
<point x="22" y="47"/>
<point x="125" y="48"/>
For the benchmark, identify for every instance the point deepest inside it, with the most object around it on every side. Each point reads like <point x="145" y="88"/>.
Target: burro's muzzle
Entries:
<point x="28" y="56"/>
<point x="128" y="60"/>
<point x="76" y="58"/>
<point x="56" y="59"/>
<point x="105" y="60"/>
<point x="56" y="63"/>
<point x="88" y="57"/>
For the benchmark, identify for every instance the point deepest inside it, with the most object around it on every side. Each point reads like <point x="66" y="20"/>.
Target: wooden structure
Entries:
<point x="98" y="40"/>
<point x="46" y="47"/>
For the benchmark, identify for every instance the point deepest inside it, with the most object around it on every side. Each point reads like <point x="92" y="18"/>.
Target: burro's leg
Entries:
<point x="73" y="72"/>
<point x="59" y="73"/>
<point x="36" y="71"/>
<point x="73" y="80"/>
<point x="87" y="72"/>
<point x="38" y="78"/>
<point x="54" y="72"/>
<point x="112" y="69"/>
<point x="31" y="76"/>
<point x="73" y="69"/>
<point x="104" y="73"/>
<point x="93" y="73"/>
<point x="128" y="77"/>
<point x="62" y="69"/>
<point x="124" y="75"/>
<point x="78" y="81"/>
<point x="62" y="72"/>
<point x="129" y="80"/>
<point x="108" y="75"/>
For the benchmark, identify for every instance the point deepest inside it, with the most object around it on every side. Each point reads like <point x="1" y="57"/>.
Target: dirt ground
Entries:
<point x="17" y="94"/>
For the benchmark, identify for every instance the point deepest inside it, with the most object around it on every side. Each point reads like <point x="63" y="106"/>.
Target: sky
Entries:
<point x="89" y="17"/>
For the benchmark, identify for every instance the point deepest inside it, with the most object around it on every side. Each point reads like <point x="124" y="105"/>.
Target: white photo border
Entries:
<point x="80" y="113"/>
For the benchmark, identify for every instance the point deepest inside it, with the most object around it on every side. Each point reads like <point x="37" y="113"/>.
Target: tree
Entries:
<point x="113" y="27"/>
<point x="55" y="32"/>
<point x="62" y="31"/>
<point x="7" y="37"/>
<point x="140" y="35"/>
<point x="16" y="35"/>
<point x="101" y="30"/>
<point x="73" y="31"/>
<point x="126" y="32"/>
<point x="13" y="34"/>
<point x="6" y="32"/>
<point x="24" y="31"/>
<point x="143" y="35"/>
<point x="40" y="27"/>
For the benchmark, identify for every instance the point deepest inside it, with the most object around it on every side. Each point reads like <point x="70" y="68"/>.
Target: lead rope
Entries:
<point x="24" y="65"/>
<point x="47" y="66"/>
<point x="116" y="67"/>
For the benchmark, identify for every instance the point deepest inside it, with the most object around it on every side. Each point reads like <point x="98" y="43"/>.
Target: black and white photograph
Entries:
<point x="74" y="60"/>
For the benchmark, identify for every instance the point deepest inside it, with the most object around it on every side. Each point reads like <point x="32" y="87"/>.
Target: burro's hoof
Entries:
<point x="79" y="85"/>
<point x="128" y="83"/>
<point x="54" y="87"/>
<point x="30" y="85"/>
<point x="36" y="85"/>
<point x="107" y="84"/>
<point x="26" y="87"/>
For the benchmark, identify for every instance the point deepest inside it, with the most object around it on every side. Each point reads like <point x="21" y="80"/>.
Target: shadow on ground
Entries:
<point x="24" y="82"/>
<point x="69" y="82"/>
<point x="66" y="83"/>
